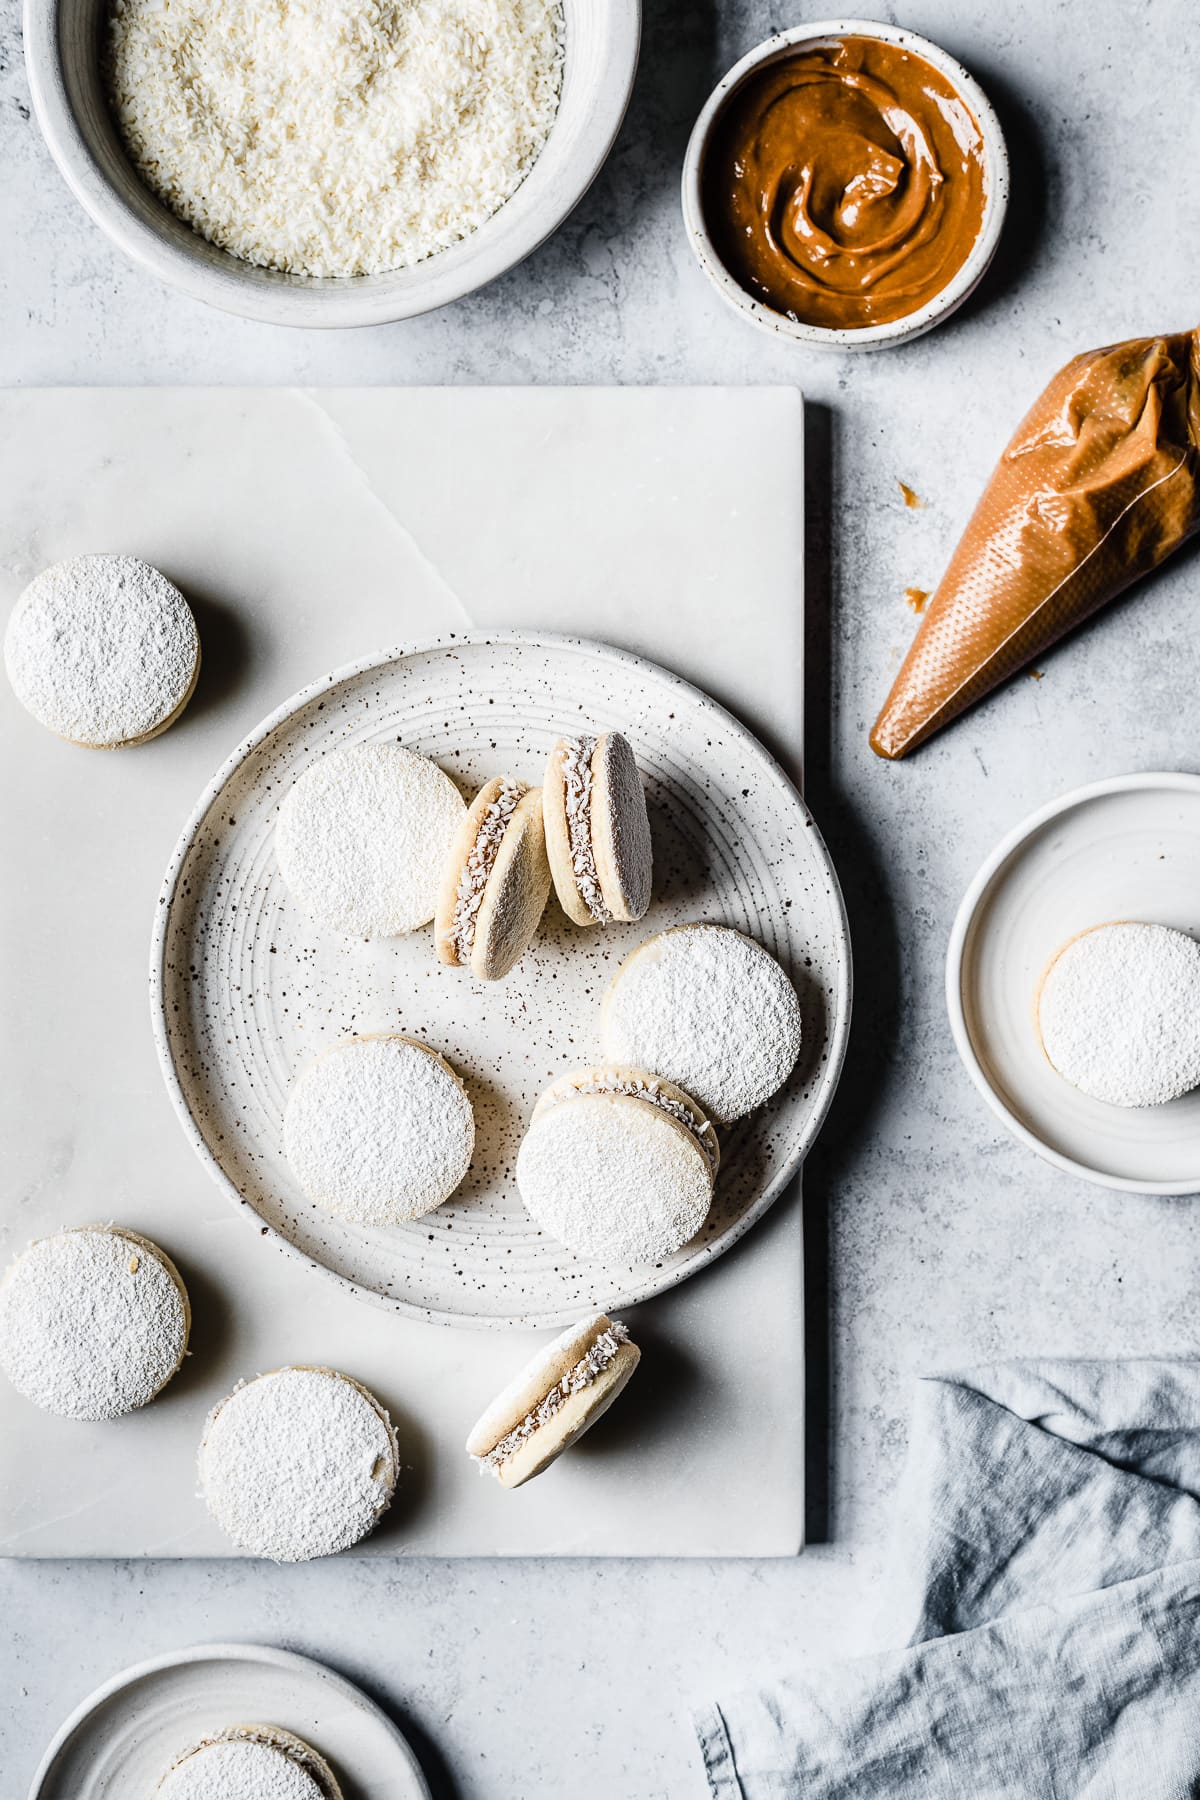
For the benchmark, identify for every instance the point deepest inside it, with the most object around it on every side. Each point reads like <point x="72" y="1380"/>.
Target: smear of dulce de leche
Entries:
<point x="1099" y="485"/>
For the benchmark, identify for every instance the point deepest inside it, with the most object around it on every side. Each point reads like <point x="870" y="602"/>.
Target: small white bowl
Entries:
<point x="62" y="54"/>
<point x="1127" y="848"/>
<point x="820" y="34"/>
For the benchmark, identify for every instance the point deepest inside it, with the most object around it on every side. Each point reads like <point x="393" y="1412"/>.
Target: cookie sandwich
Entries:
<point x="1118" y="1012"/>
<point x="597" y="830"/>
<point x="250" y="1762"/>
<point x="618" y="1164"/>
<point x="103" y="651"/>
<point x="298" y="1463"/>
<point x="362" y="837"/>
<point x="94" y="1322"/>
<point x="495" y="882"/>
<point x="557" y="1396"/>
<point x="379" y="1129"/>
<point x="709" y="1008"/>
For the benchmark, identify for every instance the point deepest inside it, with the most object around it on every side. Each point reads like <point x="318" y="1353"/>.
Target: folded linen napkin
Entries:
<point x="1050" y="1523"/>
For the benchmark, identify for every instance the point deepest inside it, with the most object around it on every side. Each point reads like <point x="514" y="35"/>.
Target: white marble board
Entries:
<point x="309" y="528"/>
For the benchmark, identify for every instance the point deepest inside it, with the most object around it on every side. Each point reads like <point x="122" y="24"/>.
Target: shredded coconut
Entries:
<point x="240" y="1769"/>
<point x="594" y="1361"/>
<point x="645" y="1089"/>
<point x="577" y="783"/>
<point x="710" y="1010"/>
<point x="480" y="863"/>
<point x="378" y="1130"/>
<point x="363" y="835"/>
<point x="83" y="1333"/>
<point x="298" y="1463"/>
<point x="1119" y="1014"/>
<point x="101" y="649"/>
<point x="333" y="137"/>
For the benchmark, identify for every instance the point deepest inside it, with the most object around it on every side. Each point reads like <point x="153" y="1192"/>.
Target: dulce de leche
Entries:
<point x="1099" y="485"/>
<point x="845" y="184"/>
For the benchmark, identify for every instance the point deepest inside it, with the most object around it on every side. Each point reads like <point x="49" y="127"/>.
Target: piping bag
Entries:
<point x="1099" y="485"/>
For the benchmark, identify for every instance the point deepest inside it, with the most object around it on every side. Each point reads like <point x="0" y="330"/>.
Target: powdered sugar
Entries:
<point x="710" y="1010"/>
<point x="480" y="862"/>
<point x="240" y="1769"/>
<point x="92" y="1324"/>
<point x="577" y="757"/>
<point x="298" y="1463"/>
<point x="378" y="1130"/>
<point x="362" y="837"/>
<point x="1119" y="1013"/>
<point x="101" y="649"/>
<point x="599" y="1354"/>
<point x="645" y="1089"/>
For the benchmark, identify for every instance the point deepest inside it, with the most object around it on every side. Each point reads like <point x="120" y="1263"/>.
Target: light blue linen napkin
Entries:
<point x="1050" y="1530"/>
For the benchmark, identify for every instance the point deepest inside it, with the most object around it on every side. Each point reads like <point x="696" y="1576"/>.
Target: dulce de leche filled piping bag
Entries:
<point x="1100" y="483"/>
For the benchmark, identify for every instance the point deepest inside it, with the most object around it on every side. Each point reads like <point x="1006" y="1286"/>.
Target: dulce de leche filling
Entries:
<point x="845" y="184"/>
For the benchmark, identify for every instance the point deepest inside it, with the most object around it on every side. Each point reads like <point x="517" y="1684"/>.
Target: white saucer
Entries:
<point x="124" y="1737"/>
<point x="1128" y="848"/>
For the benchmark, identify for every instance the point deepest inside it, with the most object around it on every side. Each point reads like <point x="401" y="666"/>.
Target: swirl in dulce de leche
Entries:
<point x="845" y="183"/>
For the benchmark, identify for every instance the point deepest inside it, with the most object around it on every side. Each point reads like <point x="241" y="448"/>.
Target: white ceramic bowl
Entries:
<point x="868" y="337"/>
<point x="1126" y="848"/>
<point x="62" y="53"/>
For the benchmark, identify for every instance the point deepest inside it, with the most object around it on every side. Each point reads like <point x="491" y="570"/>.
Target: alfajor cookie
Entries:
<point x="94" y="1322"/>
<point x="496" y="881"/>
<point x="298" y="1463"/>
<point x="103" y="651"/>
<point x="597" y="830"/>
<point x="709" y="1008"/>
<point x="1118" y="1010"/>
<point x="250" y="1762"/>
<point x="379" y="1129"/>
<point x="618" y="1165"/>
<point x="557" y="1396"/>
<point x="362" y="838"/>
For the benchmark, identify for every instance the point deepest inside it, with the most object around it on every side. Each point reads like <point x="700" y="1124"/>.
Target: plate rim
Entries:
<point x="196" y="1653"/>
<point x="838" y="1029"/>
<point x="1177" y="780"/>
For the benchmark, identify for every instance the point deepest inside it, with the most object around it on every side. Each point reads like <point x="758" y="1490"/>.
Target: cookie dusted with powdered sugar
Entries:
<point x="362" y="838"/>
<point x="379" y="1129"/>
<point x="299" y="1463"/>
<point x="103" y="651"/>
<point x="597" y="830"/>
<point x="496" y="881"/>
<point x="94" y="1322"/>
<point x="1118" y="1010"/>
<point x="556" y="1397"/>
<point x="250" y="1762"/>
<point x="618" y="1165"/>
<point x="709" y="1008"/>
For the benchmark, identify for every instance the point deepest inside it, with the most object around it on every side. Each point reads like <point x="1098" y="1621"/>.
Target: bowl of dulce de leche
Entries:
<point x="845" y="185"/>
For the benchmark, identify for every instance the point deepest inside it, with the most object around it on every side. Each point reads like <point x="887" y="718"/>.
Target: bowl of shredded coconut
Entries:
<point x="330" y="162"/>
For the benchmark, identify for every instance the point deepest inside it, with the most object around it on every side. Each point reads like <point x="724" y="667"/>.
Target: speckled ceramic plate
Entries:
<point x="123" y="1738"/>
<point x="1127" y="848"/>
<point x="245" y="989"/>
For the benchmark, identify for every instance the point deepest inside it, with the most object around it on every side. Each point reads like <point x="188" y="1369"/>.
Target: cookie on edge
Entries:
<point x="597" y="830"/>
<point x="379" y="1129"/>
<point x="103" y="651"/>
<point x="618" y="1165"/>
<point x="363" y="835"/>
<point x="298" y="1463"/>
<point x="709" y="1008"/>
<point x="94" y="1322"/>
<point x="496" y="881"/>
<point x="556" y="1397"/>
<point x="1118" y="1013"/>
<point x="250" y="1762"/>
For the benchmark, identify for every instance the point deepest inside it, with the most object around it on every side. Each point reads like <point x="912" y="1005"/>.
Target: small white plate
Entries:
<point x="121" y="1741"/>
<point x="1128" y="848"/>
